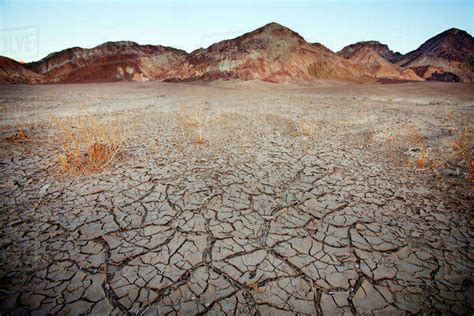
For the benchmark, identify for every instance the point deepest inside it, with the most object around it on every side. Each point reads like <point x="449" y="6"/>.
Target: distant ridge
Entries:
<point x="111" y="61"/>
<point x="272" y="53"/>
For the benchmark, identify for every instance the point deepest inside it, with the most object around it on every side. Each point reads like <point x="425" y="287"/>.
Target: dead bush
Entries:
<point x="418" y="139"/>
<point x="305" y="127"/>
<point x="463" y="147"/>
<point x="193" y="121"/>
<point x="86" y="143"/>
<point x="19" y="136"/>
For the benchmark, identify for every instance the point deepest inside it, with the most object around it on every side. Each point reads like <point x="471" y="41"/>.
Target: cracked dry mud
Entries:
<point x="260" y="219"/>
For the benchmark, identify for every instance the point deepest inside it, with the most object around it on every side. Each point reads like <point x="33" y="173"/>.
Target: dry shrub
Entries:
<point x="305" y="127"/>
<point x="200" y="140"/>
<point x="418" y="139"/>
<point x="193" y="121"/>
<point x="254" y="286"/>
<point x="289" y="125"/>
<point x="405" y="142"/>
<point x="463" y="148"/>
<point x="424" y="160"/>
<point x="20" y="135"/>
<point x="86" y="143"/>
<point x="367" y="138"/>
<point x="189" y="120"/>
<point x="421" y="162"/>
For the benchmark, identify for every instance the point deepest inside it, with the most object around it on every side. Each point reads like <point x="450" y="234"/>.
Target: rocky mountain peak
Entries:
<point x="382" y="49"/>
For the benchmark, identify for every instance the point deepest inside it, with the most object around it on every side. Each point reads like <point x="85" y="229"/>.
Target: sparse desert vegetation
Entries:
<point x="202" y="158"/>
<point x="87" y="143"/>
<point x="193" y="122"/>
<point x="19" y="135"/>
<point x="463" y="146"/>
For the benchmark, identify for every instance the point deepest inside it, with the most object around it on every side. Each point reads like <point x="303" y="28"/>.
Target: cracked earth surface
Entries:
<point x="259" y="220"/>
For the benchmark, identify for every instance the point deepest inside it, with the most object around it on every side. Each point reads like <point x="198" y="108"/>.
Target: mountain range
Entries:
<point x="271" y="53"/>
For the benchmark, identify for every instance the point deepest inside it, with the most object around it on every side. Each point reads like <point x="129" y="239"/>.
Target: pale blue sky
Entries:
<point x="56" y="25"/>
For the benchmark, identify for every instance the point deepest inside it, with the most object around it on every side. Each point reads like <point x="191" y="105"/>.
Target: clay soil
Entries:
<point x="240" y="198"/>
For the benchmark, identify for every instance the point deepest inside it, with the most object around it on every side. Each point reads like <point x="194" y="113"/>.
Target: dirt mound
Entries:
<point x="14" y="72"/>
<point x="111" y="61"/>
<point x="271" y="53"/>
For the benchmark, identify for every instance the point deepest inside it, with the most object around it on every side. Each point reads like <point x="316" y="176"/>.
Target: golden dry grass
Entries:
<point x="408" y="138"/>
<point x="199" y="140"/>
<point x="463" y="147"/>
<point x="306" y="127"/>
<point x="254" y="286"/>
<point x="190" y="120"/>
<point x="18" y="136"/>
<point x="193" y="121"/>
<point x="418" y="139"/>
<point x="87" y="144"/>
<point x="421" y="162"/>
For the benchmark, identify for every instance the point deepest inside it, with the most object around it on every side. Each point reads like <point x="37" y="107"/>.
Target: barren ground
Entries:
<point x="303" y="199"/>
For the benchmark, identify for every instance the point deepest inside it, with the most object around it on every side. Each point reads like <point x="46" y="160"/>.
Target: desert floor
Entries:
<point x="323" y="198"/>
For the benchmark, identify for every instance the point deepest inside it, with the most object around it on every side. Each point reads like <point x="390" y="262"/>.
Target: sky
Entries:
<point x="32" y="29"/>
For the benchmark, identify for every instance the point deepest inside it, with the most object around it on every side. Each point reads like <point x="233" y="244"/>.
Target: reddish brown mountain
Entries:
<point x="378" y="67"/>
<point x="427" y="71"/>
<point x="379" y="48"/>
<point x="12" y="71"/>
<point x="111" y="61"/>
<point x="450" y="52"/>
<point x="271" y="53"/>
<point x="321" y="46"/>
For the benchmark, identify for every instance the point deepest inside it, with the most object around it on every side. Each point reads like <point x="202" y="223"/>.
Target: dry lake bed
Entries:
<point x="239" y="198"/>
